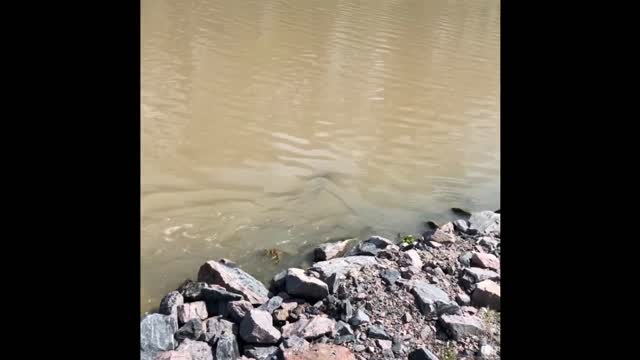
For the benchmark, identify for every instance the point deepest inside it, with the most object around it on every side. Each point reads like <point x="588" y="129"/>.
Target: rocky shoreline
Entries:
<point x="430" y="296"/>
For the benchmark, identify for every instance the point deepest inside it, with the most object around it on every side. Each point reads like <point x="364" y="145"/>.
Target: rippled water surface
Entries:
<point x="282" y="124"/>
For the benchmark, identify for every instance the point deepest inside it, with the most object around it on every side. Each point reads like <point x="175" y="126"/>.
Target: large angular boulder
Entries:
<point x="459" y="326"/>
<point x="329" y="251"/>
<point x="199" y="350"/>
<point x="172" y="355"/>
<point x="317" y="327"/>
<point x="192" y="329"/>
<point x="227" y="348"/>
<point x="262" y="352"/>
<point x="257" y="328"/>
<point x="473" y="275"/>
<point x="169" y="303"/>
<point x="485" y="222"/>
<point x="320" y="352"/>
<point x="431" y="300"/>
<point x="156" y="333"/>
<point x="236" y="310"/>
<point x="487" y="261"/>
<point x="411" y="258"/>
<point x="300" y="285"/>
<point x="487" y="294"/>
<point x="234" y="280"/>
<point x="215" y="327"/>
<point x="194" y="310"/>
<point x="341" y="266"/>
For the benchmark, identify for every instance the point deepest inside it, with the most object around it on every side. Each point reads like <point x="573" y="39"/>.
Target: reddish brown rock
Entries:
<point x="487" y="293"/>
<point x="321" y="352"/>
<point x="487" y="261"/>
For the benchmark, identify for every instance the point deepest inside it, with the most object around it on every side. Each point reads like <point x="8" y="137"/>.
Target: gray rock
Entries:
<point x="397" y="347"/>
<point x="342" y="328"/>
<point x="192" y="329"/>
<point x="332" y="283"/>
<point x="156" y="333"/>
<point x="384" y="344"/>
<point x="407" y="318"/>
<point x="257" y="328"/>
<point x="199" y="350"/>
<point x="343" y="339"/>
<point x="318" y="326"/>
<point x="194" y="310"/>
<point x="359" y="348"/>
<point x="234" y="280"/>
<point x="171" y="355"/>
<point x="485" y="222"/>
<point x="411" y="258"/>
<point x="263" y="353"/>
<point x="471" y="276"/>
<point x="296" y="343"/>
<point x="459" y="327"/>
<point x="432" y="300"/>
<point x="191" y="290"/>
<point x="347" y="310"/>
<point x="441" y="236"/>
<point x="227" y="348"/>
<point x="486" y="351"/>
<point x="294" y="329"/>
<point x="379" y="241"/>
<point x="215" y="327"/>
<point x="422" y="354"/>
<point x="330" y="250"/>
<point x="461" y="225"/>
<point x="218" y="293"/>
<point x="390" y="276"/>
<point x="342" y="266"/>
<point x="463" y="299"/>
<point x="366" y="249"/>
<point x="487" y="294"/>
<point x="387" y="354"/>
<point x="169" y="303"/>
<point x="300" y="285"/>
<point x="277" y="283"/>
<point x="377" y="332"/>
<point x="490" y="243"/>
<point x="236" y="310"/>
<point x="465" y="259"/>
<point x="271" y="305"/>
<point x="150" y="355"/>
<point x="359" y="318"/>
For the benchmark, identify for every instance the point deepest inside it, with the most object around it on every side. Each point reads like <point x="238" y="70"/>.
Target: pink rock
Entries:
<point x="487" y="293"/>
<point x="173" y="355"/>
<point x="488" y="261"/>
<point x="194" y="310"/>
<point x="320" y="352"/>
<point x="384" y="344"/>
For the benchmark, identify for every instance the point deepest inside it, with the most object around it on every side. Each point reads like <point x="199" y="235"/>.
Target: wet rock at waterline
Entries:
<point x="330" y="250"/>
<point x="300" y="285"/>
<point x="234" y="280"/>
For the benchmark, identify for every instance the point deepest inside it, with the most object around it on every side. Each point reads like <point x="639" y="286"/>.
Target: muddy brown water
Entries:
<point x="284" y="124"/>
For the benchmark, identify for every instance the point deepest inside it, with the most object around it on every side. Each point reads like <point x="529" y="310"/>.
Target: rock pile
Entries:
<point x="435" y="298"/>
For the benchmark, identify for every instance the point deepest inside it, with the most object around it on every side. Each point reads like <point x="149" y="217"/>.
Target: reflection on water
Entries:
<point x="282" y="124"/>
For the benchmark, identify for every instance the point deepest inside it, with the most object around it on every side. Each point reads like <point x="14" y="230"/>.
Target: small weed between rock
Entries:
<point x="409" y="240"/>
<point x="449" y="353"/>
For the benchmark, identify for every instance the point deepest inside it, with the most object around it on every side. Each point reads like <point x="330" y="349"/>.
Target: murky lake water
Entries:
<point x="281" y="124"/>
